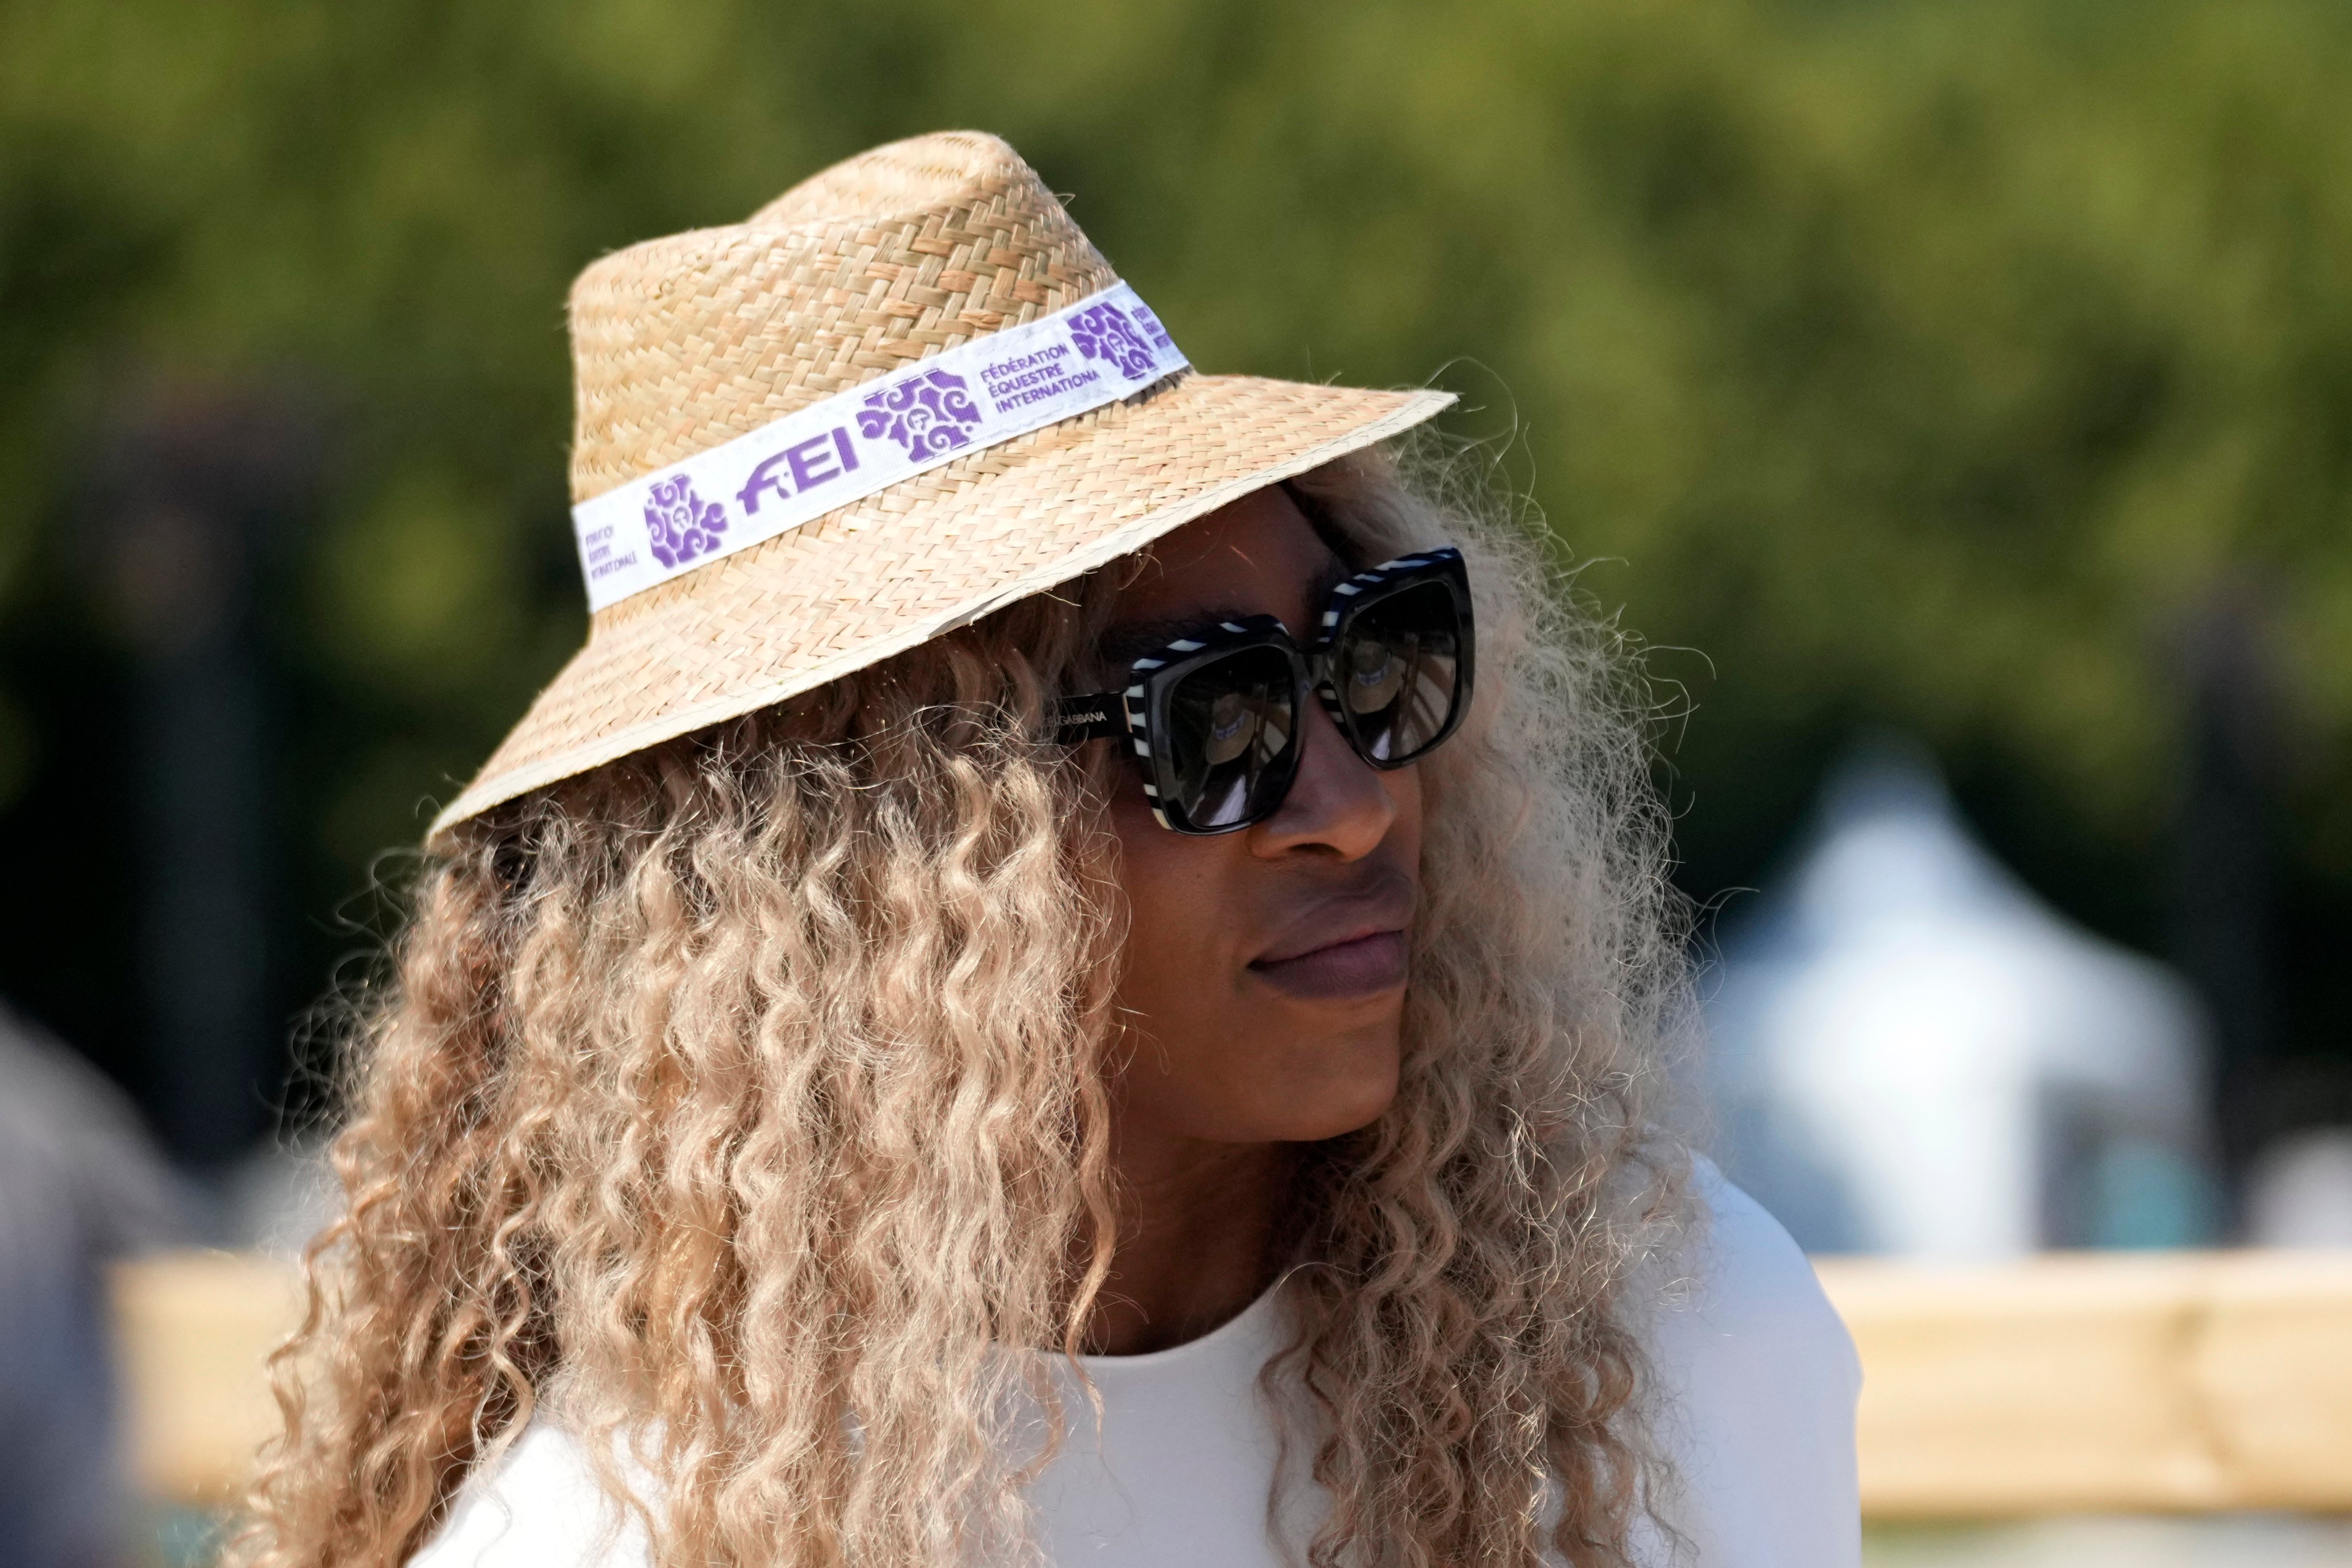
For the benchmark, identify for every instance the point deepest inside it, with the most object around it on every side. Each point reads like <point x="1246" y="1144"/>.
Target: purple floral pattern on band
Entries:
<point x="927" y="415"/>
<point x="1104" y="332"/>
<point x="682" y="525"/>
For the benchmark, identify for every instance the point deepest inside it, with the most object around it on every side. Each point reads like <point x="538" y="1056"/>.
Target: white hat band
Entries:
<point x="961" y="400"/>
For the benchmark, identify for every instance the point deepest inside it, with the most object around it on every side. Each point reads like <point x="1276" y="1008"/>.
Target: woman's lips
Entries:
<point x="1361" y="966"/>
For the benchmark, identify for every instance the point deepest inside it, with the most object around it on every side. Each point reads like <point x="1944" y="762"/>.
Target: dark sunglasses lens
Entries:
<point x="1229" y="746"/>
<point x="1399" y="671"/>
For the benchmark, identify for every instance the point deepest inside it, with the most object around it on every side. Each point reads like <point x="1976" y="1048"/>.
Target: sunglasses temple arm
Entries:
<point x="1095" y="718"/>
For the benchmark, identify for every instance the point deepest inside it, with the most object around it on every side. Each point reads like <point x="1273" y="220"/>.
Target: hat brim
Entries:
<point x="930" y="555"/>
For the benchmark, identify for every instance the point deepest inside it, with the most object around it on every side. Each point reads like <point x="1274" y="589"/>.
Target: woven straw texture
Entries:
<point x="685" y="342"/>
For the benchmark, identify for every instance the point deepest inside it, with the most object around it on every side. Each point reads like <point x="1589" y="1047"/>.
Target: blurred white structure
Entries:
<point x="1911" y="1054"/>
<point x="2299" y="1193"/>
<point x="80" y="1187"/>
<point x="280" y="1197"/>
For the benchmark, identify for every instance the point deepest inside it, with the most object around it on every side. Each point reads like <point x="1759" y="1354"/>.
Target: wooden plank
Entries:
<point x="2104" y="1382"/>
<point x="2107" y="1382"/>
<point x="2273" y="1367"/>
<point x="193" y="1331"/>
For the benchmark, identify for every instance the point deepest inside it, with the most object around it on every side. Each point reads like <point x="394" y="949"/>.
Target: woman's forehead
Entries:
<point x="1260" y="556"/>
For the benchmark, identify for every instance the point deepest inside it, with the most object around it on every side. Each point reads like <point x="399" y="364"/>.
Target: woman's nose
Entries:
<point x="1338" y="804"/>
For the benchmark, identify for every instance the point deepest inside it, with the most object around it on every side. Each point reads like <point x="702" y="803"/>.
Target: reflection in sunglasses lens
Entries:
<point x="1234" y="720"/>
<point x="1375" y="669"/>
<point x="1399" y="671"/>
<point x="1230" y="736"/>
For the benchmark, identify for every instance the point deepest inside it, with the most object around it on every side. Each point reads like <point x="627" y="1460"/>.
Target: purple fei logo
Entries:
<point x="1151" y="327"/>
<point x="682" y="525"/>
<point x="1104" y="332"/>
<point x="926" y="413"/>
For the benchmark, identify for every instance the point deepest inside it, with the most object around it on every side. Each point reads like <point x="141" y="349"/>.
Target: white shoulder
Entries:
<point x="538" y="1505"/>
<point x="1751" y="1288"/>
<point x="1756" y="1382"/>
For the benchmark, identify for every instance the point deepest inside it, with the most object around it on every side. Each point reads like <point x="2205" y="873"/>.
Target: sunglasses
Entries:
<point x="1215" y="715"/>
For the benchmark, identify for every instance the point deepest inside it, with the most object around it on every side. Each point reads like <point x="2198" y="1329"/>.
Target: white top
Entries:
<point x="1757" y="1376"/>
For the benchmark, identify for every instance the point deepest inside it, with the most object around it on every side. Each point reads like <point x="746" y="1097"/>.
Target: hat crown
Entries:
<point x="690" y="343"/>
<point x="685" y="342"/>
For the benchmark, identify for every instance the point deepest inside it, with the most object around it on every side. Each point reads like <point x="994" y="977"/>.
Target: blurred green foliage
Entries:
<point x="1918" y="363"/>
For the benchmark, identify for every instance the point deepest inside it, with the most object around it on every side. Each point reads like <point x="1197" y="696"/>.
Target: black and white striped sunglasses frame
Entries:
<point x="1139" y="712"/>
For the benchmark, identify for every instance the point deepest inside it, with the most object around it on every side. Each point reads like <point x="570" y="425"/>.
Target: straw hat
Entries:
<point x="696" y="346"/>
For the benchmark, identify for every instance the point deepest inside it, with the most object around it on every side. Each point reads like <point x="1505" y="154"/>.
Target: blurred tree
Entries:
<point x="1912" y="362"/>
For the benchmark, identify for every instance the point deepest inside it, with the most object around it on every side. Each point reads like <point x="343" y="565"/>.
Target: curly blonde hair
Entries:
<point x="742" y="1098"/>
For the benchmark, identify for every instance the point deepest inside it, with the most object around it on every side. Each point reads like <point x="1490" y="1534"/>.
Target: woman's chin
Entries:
<point x="1333" y="1108"/>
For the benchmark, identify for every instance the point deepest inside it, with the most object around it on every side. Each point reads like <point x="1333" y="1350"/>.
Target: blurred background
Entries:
<point x="1955" y="399"/>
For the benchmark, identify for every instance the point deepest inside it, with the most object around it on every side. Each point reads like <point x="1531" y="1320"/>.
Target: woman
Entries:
<point x="1072" y="974"/>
